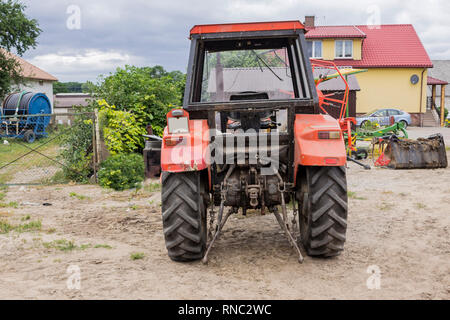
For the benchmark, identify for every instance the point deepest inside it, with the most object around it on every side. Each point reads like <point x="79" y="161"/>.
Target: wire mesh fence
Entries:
<point x="41" y="149"/>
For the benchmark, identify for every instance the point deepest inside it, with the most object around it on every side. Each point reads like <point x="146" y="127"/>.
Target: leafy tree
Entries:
<point x="148" y="93"/>
<point x="68" y="87"/>
<point x="18" y="33"/>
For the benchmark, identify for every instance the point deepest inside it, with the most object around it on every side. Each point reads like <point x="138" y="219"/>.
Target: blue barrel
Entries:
<point x="26" y="103"/>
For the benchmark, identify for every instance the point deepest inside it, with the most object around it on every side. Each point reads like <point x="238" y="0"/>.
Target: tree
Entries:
<point x="68" y="87"/>
<point x="147" y="92"/>
<point x="18" y="33"/>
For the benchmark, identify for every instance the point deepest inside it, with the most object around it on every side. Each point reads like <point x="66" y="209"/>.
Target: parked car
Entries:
<point x="383" y="117"/>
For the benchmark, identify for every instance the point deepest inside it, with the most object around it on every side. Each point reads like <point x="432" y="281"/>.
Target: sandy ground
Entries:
<point x="398" y="221"/>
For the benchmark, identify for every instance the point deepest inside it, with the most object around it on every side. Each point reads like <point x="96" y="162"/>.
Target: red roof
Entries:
<point x="390" y="46"/>
<point x="432" y="80"/>
<point x="335" y="32"/>
<point x="28" y="70"/>
<point x="249" y="26"/>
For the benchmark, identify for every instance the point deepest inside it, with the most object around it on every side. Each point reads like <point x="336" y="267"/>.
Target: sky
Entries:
<point x="82" y="39"/>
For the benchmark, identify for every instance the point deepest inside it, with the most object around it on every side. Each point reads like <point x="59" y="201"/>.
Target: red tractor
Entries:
<point x="254" y="133"/>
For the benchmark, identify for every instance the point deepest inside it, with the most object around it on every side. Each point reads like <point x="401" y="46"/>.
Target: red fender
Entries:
<point x="310" y="150"/>
<point x="186" y="151"/>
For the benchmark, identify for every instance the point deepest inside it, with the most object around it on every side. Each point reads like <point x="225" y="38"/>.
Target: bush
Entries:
<point x="77" y="149"/>
<point x="148" y="93"/>
<point x="121" y="131"/>
<point x="121" y="171"/>
<point x="438" y="110"/>
<point x="370" y="125"/>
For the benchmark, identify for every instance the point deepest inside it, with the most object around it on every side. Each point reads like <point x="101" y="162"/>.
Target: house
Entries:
<point x="396" y="60"/>
<point x="36" y="79"/>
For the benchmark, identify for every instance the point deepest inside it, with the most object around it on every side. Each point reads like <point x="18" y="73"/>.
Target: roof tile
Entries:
<point x="389" y="46"/>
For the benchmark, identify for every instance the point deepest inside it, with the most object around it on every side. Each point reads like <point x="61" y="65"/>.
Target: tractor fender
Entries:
<point x="310" y="150"/>
<point x="190" y="153"/>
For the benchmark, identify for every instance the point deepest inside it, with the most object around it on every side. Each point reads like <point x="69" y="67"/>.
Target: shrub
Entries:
<point x="77" y="151"/>
<point x="121" y="171"/>
<point x="147" y="92"/>
<point x="370" y="125"/>
<point x="121" y="131"/>
<point x="438" y="110"/>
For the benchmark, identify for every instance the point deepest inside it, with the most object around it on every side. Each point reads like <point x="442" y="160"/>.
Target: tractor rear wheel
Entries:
<point x="323" y="210"/>
<point x="184" y="215"/>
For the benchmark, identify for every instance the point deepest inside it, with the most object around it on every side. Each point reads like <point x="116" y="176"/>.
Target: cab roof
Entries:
<point x="248" y="26"/>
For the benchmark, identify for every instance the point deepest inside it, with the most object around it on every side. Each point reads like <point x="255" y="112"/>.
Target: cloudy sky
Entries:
<point x="112" y="33"/>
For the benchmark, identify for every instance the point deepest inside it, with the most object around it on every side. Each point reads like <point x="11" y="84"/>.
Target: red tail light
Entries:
<point x="173" y="141"/>
<point x="329" y="134"/>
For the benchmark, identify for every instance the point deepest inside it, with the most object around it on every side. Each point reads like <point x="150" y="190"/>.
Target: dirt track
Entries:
<point x="398" y="221"/>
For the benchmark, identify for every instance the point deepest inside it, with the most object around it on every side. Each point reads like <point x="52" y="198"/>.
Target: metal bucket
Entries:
<point x="426" y="153"/>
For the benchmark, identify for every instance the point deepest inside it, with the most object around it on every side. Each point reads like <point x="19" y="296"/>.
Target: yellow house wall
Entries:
<point x="391" y="87"/>
<point x="328" y="49"/>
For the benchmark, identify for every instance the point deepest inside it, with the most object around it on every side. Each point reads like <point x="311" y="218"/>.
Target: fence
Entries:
<point x="42" y="149"/>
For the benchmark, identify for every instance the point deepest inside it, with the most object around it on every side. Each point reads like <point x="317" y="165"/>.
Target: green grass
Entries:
<point x="25" y="218"/>
<point x="12" y="204"/>
<point x="69" y="245"/>
<point x="104" y="246"/>
<point x="78" y="196"/>
<point x="352" y="195"/>
<point x="6" y="227"/>
<point x="30" y="226"/>
<point x="2" y="195"/>
<point x="420" y="205"/>
<point x="61" y="244"/>
<point x="137" y="255"/>
<point x="153" y="187"/>
<point x="17" y="148"/>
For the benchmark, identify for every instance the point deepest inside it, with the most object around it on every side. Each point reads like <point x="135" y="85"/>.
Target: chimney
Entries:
<point x="309" y="21"/>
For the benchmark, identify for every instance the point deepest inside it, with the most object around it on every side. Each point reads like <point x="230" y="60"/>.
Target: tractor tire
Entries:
<point x="323" y="210"/>
<point x="184" y="215"/>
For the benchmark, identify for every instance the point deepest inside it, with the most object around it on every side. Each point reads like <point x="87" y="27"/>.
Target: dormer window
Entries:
<point x="343" y="49"/>
<point x="314" y="49"/>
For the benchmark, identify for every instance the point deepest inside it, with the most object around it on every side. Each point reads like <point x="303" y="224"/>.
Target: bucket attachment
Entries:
<point x="425" y="153"/>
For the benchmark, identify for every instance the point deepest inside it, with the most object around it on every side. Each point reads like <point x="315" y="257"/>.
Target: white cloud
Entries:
<point x="87" y="62"/>
<point x="117" y="32"/>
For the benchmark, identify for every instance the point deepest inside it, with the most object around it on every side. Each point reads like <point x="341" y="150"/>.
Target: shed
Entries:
<point x="64" y="103"/>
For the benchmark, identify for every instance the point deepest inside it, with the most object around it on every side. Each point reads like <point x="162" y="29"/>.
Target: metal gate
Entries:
<point x="32" y="157"/>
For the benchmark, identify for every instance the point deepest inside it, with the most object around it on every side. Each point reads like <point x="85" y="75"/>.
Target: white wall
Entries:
<point x="34" y="86"/>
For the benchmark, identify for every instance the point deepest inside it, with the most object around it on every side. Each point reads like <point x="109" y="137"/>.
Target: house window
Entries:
<point x="41" y="82"/>
<point x="314" y="49"/>
<point x="343" y="49"/>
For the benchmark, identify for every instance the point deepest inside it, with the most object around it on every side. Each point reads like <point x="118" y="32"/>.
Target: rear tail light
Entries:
<point x="173" y="141"/>
<point x="331" y="161"/>
<point x="329" y="134"/>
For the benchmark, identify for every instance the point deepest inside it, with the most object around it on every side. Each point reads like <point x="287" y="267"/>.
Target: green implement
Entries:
<point x="397" y="129"/>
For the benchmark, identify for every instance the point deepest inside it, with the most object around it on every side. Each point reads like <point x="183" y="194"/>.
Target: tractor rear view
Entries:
<point x="254" y="134"/>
